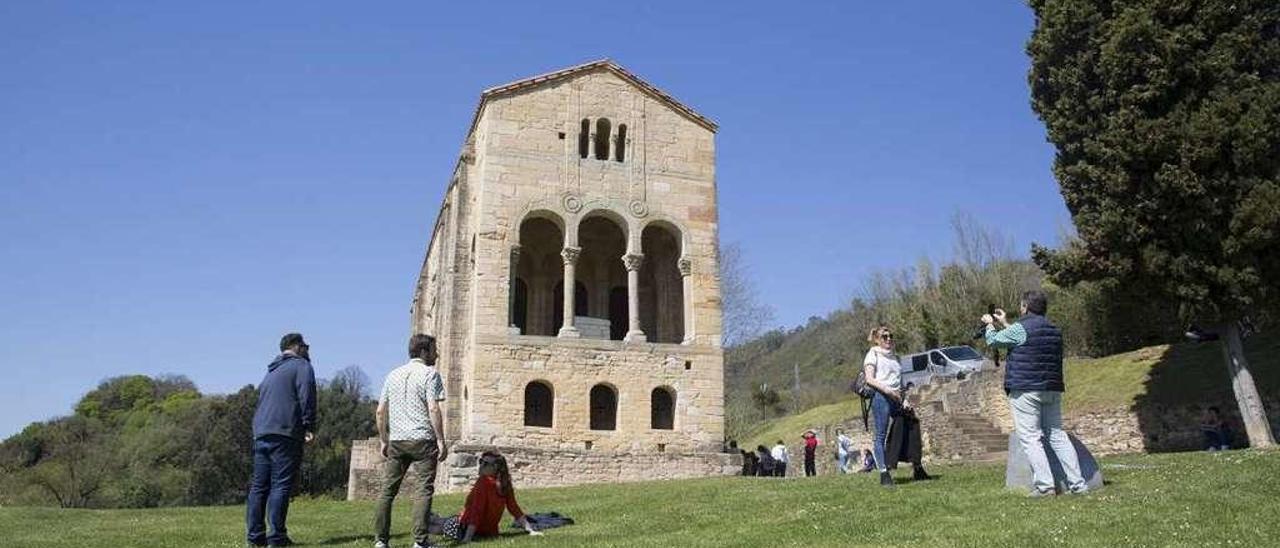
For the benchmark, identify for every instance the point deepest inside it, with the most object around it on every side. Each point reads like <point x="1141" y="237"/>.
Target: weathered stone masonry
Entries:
<point x="571" y="280"/>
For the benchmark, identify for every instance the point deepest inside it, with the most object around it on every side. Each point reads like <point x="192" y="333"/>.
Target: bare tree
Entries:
<point x="744" y="316"/>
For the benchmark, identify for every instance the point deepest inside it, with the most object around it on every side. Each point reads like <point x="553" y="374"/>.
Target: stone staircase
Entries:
<point x="958" y="420"/>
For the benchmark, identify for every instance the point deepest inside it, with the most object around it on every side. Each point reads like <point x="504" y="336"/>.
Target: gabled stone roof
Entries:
<point x="601" y="64"/>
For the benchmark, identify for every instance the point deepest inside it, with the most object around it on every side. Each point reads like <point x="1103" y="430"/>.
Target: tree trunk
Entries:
<point x="1251" y="410"/>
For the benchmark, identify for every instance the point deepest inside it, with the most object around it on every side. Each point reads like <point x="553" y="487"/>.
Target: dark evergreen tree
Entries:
<point x="1166" y="119"/>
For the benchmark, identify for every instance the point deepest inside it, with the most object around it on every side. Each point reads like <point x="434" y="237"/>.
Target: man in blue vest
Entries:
<point x="1033" y="381"/>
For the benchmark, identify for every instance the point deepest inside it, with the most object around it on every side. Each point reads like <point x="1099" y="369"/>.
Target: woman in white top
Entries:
<point x="884" y="375"/>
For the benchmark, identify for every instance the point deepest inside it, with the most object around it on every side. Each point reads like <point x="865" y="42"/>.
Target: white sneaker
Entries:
<point x="381" y="544"/>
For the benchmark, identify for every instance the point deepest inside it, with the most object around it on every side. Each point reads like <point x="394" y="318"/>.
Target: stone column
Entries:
<point x="512" y="328"/>
<point x="686" y="276"/>
<point x="570" y="255"/>
<point x="633" y="261"/>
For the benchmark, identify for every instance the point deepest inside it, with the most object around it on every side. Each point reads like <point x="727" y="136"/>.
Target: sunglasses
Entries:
<point x="886" y="336"/>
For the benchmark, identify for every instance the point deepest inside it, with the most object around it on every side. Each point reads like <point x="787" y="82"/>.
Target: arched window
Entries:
<point x="662" y="410"/>
<point x="604" y="408"/>
<point x="538" y="270"/>
<point x="620" y="148"/>
<point x="579" y="301"/>
<point x="584" y="138"/>
<point x="661" y="285"/>
<point x="603" y="241"/>
<point x="603" y="132"/>
<point x="538" y="404"/>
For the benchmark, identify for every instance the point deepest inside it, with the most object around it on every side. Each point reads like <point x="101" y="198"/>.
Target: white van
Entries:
<point x="952" y="361"/>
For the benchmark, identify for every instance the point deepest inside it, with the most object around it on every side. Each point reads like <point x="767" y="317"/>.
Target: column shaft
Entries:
<point x="570" y="255"/>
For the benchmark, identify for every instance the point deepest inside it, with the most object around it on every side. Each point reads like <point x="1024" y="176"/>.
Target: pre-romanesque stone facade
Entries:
<point x="571" y="280"/>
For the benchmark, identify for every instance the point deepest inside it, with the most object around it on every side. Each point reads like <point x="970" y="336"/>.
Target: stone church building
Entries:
<point x="571" y="280"/>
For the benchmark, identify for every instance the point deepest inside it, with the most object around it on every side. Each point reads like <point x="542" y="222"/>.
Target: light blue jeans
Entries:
<point x="882" y="408"/>
<point x="1036" y="414"/>
<point x="843" y="459"/>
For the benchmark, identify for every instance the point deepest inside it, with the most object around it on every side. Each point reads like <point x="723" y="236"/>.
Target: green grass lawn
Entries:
<point x="1189" y="499"/>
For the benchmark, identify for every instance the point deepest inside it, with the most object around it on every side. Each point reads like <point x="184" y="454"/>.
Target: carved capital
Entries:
<point x="632" y="261"/>
<point x="570" y="254"/>
<point x="686" y="267"/>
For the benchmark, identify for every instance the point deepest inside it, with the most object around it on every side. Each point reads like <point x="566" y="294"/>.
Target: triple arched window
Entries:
<point x="539" y="406"/>
<point x="604" y="140"/>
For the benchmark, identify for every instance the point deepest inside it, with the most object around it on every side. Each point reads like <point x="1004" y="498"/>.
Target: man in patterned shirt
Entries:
<point x="411" y="430"/>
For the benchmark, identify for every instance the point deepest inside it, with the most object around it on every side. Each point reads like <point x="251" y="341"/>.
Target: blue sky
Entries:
<point x="181" y="183"/>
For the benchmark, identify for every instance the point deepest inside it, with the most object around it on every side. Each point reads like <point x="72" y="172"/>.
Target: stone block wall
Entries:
<point x="541" y="468"/>
<point x="572" y="368"/>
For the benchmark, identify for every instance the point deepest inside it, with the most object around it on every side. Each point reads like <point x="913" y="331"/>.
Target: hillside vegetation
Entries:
<point x="1190" y="499"/>
<point x="929" y="305"/>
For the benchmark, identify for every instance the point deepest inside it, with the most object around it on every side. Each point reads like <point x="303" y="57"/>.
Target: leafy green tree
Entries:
<point x="70" y="469"/>
<point x="1166" y="119"/>
<point x="345" y="413"/>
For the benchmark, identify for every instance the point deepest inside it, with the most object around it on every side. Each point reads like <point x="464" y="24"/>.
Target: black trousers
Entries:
<point x="809" y="468"/>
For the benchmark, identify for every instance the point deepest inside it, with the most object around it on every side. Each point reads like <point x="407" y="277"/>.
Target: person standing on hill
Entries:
<point x="410" y="429"/>
<point x="780" y="459"/>
<point x="1033" y="380"/>
<point x="810" y="453"/>
<point x="843" y="445"/>
<point x="284" y="419"/>
<point x="884" y="374"/>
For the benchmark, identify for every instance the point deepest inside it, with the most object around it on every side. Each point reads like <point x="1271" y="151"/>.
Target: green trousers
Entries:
<point x="401" y="454"/>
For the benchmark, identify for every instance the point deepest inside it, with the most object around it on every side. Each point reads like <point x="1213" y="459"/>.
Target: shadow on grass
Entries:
<point x="1187" y="378"/>
<point x="354" y="538"/>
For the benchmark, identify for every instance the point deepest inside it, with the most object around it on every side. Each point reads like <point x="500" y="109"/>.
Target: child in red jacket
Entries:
<point x="491" y="494"/>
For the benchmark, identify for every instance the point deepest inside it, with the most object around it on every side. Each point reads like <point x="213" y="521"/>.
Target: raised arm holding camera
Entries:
<point x="1034" y="383"/>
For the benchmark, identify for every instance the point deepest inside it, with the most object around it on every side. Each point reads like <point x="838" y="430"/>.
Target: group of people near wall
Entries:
<point x="410" y="430"/>
<point x="1033" y="383"/>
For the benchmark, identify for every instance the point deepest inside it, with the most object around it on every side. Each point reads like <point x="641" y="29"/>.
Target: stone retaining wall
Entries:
<point x="541" y="468"/>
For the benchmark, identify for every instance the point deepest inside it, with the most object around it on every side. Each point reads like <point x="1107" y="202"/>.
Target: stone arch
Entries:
<point x="604" y="407"/>
<point x="602" y="237"/>
<point x="538" y="268"/>
<point x="662" y="298"/>
<point x="662" y="408"/>
<point x="539" y="404"/>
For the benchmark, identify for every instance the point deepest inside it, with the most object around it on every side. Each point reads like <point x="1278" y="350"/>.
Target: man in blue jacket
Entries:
<point x="1033" y="381"/>
<point x="284" y="420"/>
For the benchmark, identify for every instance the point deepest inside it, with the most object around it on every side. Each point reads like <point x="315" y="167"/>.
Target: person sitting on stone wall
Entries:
<point x="868" y="460"/>
<point x="1216" y="435"/>
<point x="492" y="493"/>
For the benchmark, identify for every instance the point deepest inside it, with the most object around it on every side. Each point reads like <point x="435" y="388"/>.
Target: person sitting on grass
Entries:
<point x="1216" y="435"/>
<point x="482" y="512"/>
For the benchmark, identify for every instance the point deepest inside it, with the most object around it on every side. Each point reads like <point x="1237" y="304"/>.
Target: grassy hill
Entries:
<point x="1164" y="375"/>
<point x="1190" y="499"/>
